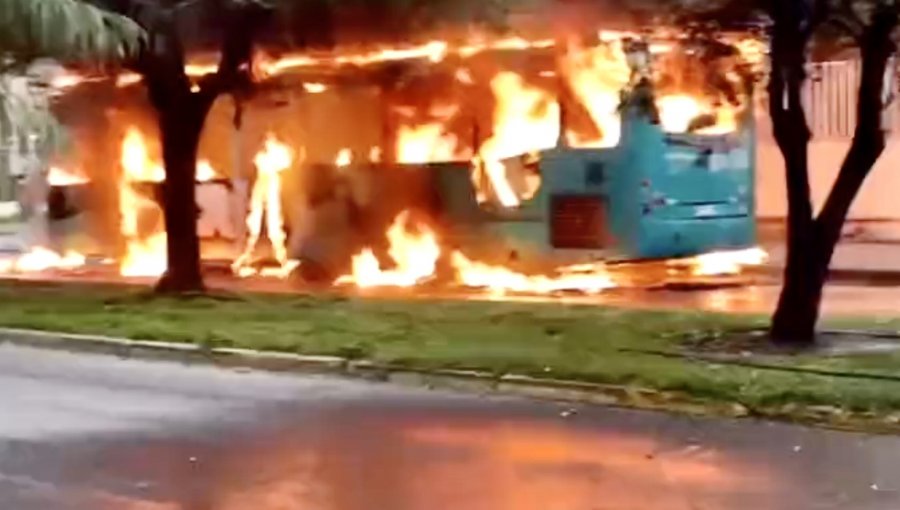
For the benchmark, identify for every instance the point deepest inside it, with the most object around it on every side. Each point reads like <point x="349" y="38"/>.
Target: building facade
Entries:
<point x="830" y="97"/>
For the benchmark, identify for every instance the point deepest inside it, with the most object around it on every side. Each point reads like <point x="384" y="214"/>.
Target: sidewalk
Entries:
<point x="868" y="253"/>
<point x="871" y="263"/>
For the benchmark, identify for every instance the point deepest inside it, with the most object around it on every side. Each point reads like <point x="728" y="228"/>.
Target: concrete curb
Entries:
<point x="474" y="382"/>
<point x="867" y="277"/>
<point x="452" y="380"/>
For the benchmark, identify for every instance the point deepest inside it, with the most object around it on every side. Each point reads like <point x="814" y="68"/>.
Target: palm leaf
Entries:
<point x="67" y="30"/>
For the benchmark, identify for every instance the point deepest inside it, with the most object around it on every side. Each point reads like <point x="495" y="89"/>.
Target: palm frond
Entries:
<point x="66" y="30"/>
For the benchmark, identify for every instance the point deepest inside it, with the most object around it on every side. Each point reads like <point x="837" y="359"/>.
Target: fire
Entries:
<point x="526" y="119"/>
<point x="375" y="155"/>
<point x="145" y="256"/>
<point x="66" y="80"/>
<point x="205" y="171"/>
<point x="57" y="176"/>
<point x="140" y="167"/>
<point x="726" y="121"/>
<point x="688" y="101"/>
<point x="344" y="158"/>
<point x="426" y="143"/>
<point x="145" y="241"/>
<point x="501" y="280"/>
<point x="753" y="52"/>
<point x="136" y="161"/>
<point x="415" y="252"/>
<point x="726" y="262"/>
<point x="429" y="141"/>
<point x="42" y="259"/>
<point x="265" y="199"/>
<point x="677" y="112"/>
<point x="597" y="76"/>
<point x="434" y="51"/>
<point x="315" y="88"/>
<point x="127" y="79"/>
<point x="145" y="253"/>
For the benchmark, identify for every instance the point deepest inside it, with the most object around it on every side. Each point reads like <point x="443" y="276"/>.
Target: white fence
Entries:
<point x="830" y="101"/>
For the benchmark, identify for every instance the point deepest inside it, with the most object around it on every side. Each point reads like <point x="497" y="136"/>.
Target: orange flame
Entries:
<point x="597" y="76"/>
<point x="315" y="88"/>
<point x="501" y="280"/>
<point x="344" y="158"/>
<point x="205" y="171"/>
<point x="265" y="199"/>
<point x="127" y="79"/>
<point x="136" y="160"/>
<point x="415" y="253"/>
<point x="61" y="177"/>
<point x="41" y="259"/>
<point x="677" y="112"/>
<point x="375" y="155"/>
<point x="426" y="143"/>
<point x="415" y="250"/>
<point x="526" y="119"/>
<point x="433" y="51"/>
<point x="145" y="254"/>
<point x="725" y="263"/>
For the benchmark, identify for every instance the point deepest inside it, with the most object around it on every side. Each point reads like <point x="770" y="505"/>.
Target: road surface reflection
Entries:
<point x="365" y="463"/>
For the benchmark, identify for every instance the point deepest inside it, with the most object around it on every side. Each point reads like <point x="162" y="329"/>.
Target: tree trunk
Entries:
<point x="795" y="318"/>
<point x="811" y="243"/>
<point x="810" y="255"/>
<point x="182" y="107"/>
<point x="180" y="130"/>
<point x="798" y="306"/>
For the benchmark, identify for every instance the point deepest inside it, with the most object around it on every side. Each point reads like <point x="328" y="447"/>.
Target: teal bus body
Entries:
<point x="652" y="196"/>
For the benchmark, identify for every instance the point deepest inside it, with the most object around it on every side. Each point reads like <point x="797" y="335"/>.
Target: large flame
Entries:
<point x="137" y="164"/>
<point x="426" y="143"/>
<point x="414" y="249"/>
<point x="597" y="77"/>
<point x="677" y="112"/>
<point x="145" y="252"/>
<point x="433" y="51"/>
<point x="266" y="201"/>
<point x="595" y="74"/>
<point x="526" y="119"/>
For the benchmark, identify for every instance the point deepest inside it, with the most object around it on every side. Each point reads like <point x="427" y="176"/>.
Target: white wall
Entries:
<point x="878" y="200"/>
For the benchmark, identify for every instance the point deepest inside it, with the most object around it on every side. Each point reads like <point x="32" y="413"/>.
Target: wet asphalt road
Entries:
<point x="85" y="432"/>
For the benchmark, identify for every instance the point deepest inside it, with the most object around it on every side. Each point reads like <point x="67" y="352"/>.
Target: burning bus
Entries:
<point x="508" y="164"/>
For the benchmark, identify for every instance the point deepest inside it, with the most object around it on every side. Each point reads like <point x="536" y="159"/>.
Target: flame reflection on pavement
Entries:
<point x="438" y="463"/>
